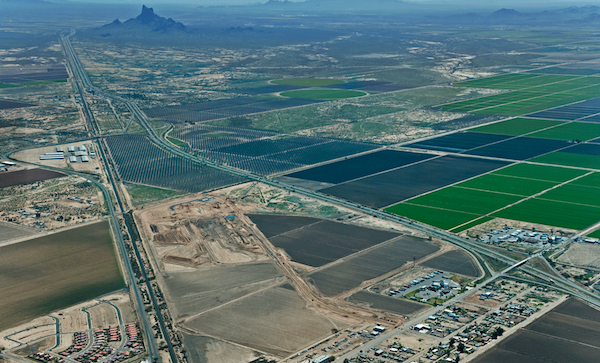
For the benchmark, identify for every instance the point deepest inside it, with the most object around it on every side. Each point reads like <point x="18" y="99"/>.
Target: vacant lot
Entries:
<point x="387" y="188"/>
<point x="274" y="321"/>
<point x="56" y="271"/>
<point x="203" y="349"/>
<point x="569" y="333"/>
<point x="193" y="292"/>
<point x="27" y="176"/>
<point x="455" y="261"/>
<point x="375" y="262"/>
<point x="582" y="254"/>
<point x="326" y="241"/>
<point x="272" y="224"/>
<point x="360" y="166"/>
<point x="382" y="302"/>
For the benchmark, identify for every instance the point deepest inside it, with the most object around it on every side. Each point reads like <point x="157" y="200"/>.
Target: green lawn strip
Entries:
<point x="444" y="219"/>
<point x="569" y="159"/>
<point x="516" y="126"/>
<point x="472" y="224"/>
<point x="540" y="172"/>
<point x="466" y="200"/>
<point x="323" y="94"/>
<point x="307" y="82"/>
<point x="178" y="142"/>
<point x="507" y="184"/>
<point x="570" y="131"/>
<point x="572" y="193"/>
<point x="552" y="213"/>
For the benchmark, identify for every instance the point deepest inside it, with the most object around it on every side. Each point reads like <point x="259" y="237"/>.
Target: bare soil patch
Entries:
<point x="456" y="261"/>
<point x="27" y="176"/>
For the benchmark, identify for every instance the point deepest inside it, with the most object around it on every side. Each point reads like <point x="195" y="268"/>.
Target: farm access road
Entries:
<point x="556" y="280"/>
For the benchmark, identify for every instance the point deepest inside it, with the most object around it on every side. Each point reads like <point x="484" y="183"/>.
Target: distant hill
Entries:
<point x="147" y="21"/>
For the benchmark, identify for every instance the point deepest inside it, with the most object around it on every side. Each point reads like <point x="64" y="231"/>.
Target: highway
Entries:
<point x="81" y="76"/>
<point x="479" y="249"/>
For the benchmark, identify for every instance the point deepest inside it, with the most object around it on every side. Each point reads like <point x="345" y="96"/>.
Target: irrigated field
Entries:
<point x="368" y="265"/>
<point x="390" y="187"/>
<point x="381" y="302"/>
<point x="360" y="166"/>
<point x="307" y="82"/>
<point x="8" y="104"/>
<point x="516" y="126"/>
<point x="56" y="271"/>
<point x="272" y="225"/>
<point x="325" y="241"/>
<point x="568" y="333"/>
<point x="27" y="176"/>
<point x="455" y="261"/>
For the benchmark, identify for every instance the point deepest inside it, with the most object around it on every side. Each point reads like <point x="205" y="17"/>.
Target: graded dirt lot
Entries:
<point x="568" y="333"/>
<point x="370" y="264"/>
<point x="275" y="321"/>
<point x="456" y="261"/>
<point x="203" y="349"/>
<point x="382" y="302"/>
<point x="195" y="291"/>
<point x="582" y="254"/>
<point x="27" y="176"/>
<point x="325" y="241"/>
<point x="55" y="271"/>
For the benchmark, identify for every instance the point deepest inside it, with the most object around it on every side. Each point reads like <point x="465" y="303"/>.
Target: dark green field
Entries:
<point x="444" y="219"/>
<point x="552" y="213"/>
<point x="540" y="172"/>
<point x="516" y="126"/>
<point x="56" y="271"/>
<point x="307" y="82"/>
<point x="507" y="184"/>
<point x="323" y="94"/>
<point x="465" y="200"/>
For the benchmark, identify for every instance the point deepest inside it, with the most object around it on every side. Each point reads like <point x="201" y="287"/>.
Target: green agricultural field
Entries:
<point x="56" y="271"/>
<point x="507" y="184"/>
<point x="444" y="219"/>
<point x="141" y="194"/>
<point x="569" y="159"/>
<point x="465" y="200"/>
<point x="592" y="180"/>
<point x="552" y="213"/>
<point x="516" y="126"/>
<point x="472" y="224"/>
<point x="582" y="131"/>
<point x="572" y="193"/>
<point x="7" y="85"/>
<point x="323" y="94"/>
<point x="595" y="234"/>
<point x="540" y="172"/>
<point x="307" y="82"/>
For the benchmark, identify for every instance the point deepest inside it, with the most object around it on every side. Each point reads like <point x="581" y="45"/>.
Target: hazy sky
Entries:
<point x="150" y="3"/>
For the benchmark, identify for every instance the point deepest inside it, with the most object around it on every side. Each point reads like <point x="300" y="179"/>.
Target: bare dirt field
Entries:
<point x="193" y="292"/>
<point x="27" y="176"/>
<point x="382" y="302"/>
<point x="8" y="232"/>
<point x="203" y="349"/>
<point x="55" y="271"/>
<point x="581" y="254"/>
<point x="275" y="321"/>
<point x="103" y="316"/>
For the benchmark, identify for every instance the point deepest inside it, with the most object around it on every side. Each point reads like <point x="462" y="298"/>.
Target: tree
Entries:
<point x="460" y="347"/>
<point x="498" y="332"/>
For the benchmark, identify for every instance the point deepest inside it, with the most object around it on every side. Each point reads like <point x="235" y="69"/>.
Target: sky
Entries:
<point x="242" y="2"/>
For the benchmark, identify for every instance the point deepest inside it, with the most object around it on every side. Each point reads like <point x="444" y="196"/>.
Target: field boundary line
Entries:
<point x="489" y="191"/>
<point x="438" y="208"/>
